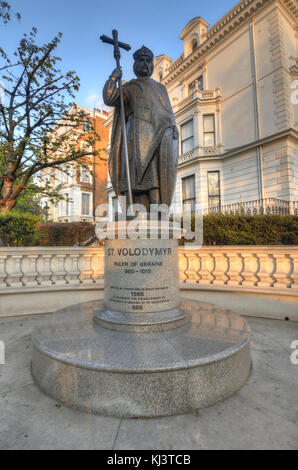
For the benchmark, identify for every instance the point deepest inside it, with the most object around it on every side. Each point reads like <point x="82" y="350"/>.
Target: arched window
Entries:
<point x="194" y="44"/>
<point x="160" y="76"/>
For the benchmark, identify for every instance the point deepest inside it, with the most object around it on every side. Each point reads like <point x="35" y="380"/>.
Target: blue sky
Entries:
<point x="157" y="24"/>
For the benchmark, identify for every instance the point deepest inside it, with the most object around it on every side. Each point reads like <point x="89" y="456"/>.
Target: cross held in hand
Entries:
<point x="117" y="44"/>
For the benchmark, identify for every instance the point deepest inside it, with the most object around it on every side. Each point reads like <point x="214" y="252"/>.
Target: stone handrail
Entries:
<point x="258" y="268"/>
<point x="50" y="267"/>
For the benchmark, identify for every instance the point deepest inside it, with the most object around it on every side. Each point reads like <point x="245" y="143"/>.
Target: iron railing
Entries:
<point x="258" y="206"/>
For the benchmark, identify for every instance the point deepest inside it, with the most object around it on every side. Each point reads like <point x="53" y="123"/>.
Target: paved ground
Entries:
<point x="263" y="415"/>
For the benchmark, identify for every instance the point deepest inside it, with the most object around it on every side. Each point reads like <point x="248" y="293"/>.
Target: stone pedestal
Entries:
<point x="141" y="276"/>
<point x="142" y="351"/>
<point x="141" y="286"/>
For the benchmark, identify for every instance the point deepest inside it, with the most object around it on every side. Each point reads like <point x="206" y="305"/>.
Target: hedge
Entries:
<point x="65" y="234"/>
<point x="19" y="229"/>
<point x="250" y="229"/>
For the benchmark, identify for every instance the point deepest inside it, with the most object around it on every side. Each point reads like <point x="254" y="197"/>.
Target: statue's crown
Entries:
<point x="144" y="51"/>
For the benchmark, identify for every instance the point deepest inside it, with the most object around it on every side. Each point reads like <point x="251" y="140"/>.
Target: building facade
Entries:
<point x="83" y="183"/>
<point x="233" y="92"/>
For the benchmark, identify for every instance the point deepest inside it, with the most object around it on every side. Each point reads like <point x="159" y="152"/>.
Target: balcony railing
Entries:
<point x="199" y="152"/>
<point x="258" y="206"/>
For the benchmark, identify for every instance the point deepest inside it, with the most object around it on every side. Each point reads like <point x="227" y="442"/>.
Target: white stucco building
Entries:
<point x="233" y="92"/>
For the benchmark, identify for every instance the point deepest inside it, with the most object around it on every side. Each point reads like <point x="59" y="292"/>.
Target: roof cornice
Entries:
<point x="192" y="24"/>
<point x="234" y="19"/>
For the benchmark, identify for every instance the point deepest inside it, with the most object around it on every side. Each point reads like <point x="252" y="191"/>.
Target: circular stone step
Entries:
<point x="132" y="374"/>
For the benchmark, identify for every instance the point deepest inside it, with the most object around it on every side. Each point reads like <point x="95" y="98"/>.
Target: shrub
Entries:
<point x="250" y="229"/>
<point x="19" y="229"/>
<point x="65" y="234"/>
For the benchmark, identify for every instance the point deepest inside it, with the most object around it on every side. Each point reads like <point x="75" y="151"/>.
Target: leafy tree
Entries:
<point x="5" y="12"/>
<point x="39" y="127"/>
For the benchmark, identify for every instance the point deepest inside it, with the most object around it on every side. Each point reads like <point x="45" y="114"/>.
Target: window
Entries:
<point x="189" y="192"/>
<point x="209" y="130"/>
<point x="187" y="137"/>
<point x="85" y="126"/>
<point x="160" y="76"/>
<point x="66" y="204"/>
<point x="70" y="174"/>
<point x="63" y="206"/>
<point x="198" y="82"/>
<point x="52" y="175"/>
<point x="194" y="44"/>
<point x="213" y="191"/>
<point x="64" y="176"/>
<point x="85" y="204"/>
<point x="85" y="174"/>
<point x="86" y="147"/>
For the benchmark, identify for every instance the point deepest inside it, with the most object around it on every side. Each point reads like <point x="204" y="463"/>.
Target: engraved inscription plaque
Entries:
<point x="141" y="275"/>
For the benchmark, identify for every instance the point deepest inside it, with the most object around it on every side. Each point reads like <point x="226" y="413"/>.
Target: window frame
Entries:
<point x="209" y="132"/>
<point x="85" y="167"/>
<point x="194" y="44"/>
<point x="89" y="204"/>
<point x="213" y="196"/>
<point x="200" y="79"/>
<point x="191" y="199"/>
<point x="182" y="141"/>
<point x="66" y="206"/>
<point x="86" y="126"/>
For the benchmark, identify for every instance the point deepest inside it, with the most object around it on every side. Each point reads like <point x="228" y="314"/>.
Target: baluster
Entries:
<point x="235" y="268"/>
<point x="3" y="273"/>
<point x="207" y="266"/>
<point x="60" y="272"/>
<point x="294" y="274"/>
<point x="193" y="267"/>
<point x="30" y="278"/>
<point x="265" y="271"/>
<point x="221" y="267"/>
<point x="93" y="263"/>
<point x="282" y="270"/>
<point x="15" y="278"/>
<point x="183" y="265"/>
<point x="45" y="271"/>
<point x="250" y="269"/>
<point x="86" y="271"/>
<point x="99" y="273"/>
<point x="74" y="272"/>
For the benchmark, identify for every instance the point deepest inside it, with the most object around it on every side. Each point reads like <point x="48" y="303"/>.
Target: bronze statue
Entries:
<point x="151" y="133"/>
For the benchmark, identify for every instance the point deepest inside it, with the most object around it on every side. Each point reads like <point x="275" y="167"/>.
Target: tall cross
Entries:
<point x="117" y="44"/>
<point x="117" y="56"/>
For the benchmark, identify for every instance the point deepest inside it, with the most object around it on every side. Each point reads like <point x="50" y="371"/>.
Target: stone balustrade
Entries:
<point x="234" y="266"/>
<point x="34" y="268"/>
<point x="43" y="279"/>
<point x="242" y="267"/>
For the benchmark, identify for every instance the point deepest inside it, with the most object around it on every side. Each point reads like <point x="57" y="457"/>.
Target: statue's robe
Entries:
<point x="152" y="149"/>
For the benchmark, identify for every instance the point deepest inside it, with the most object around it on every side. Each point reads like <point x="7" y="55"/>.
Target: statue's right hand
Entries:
<point x="117" y="73"/>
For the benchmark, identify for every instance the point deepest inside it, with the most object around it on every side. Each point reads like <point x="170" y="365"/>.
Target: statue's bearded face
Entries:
<point x="143" y="67"/>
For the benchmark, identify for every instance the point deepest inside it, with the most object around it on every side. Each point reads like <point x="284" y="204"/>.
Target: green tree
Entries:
<point x="39" y="126"/>
<point x="6" y="11"/>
